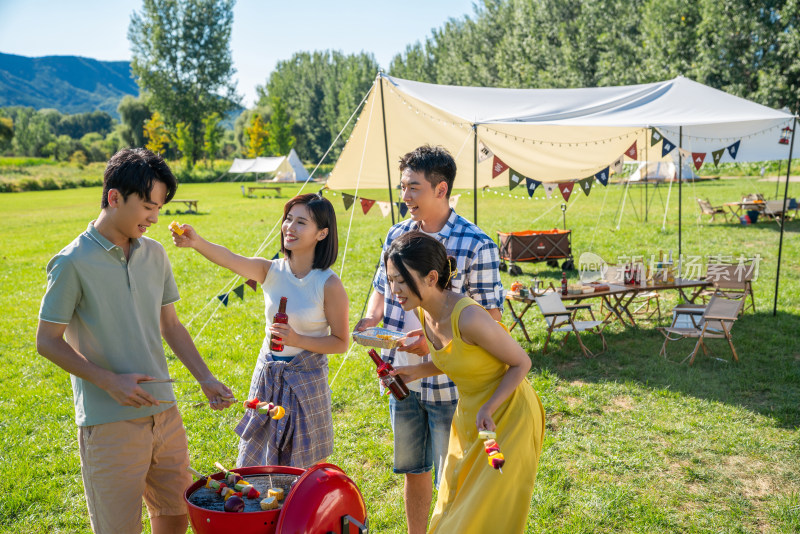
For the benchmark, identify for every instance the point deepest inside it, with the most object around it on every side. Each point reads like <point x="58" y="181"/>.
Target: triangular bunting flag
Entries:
<point x="483" y="152"/>
<point x="631" y="152"/>
<point x="532" y="184"/>
<point x="402" y="208"/>
<point x="223" y="298"/>
<point x="366" y="204"/>
<point x="454" y="201"/>
<point x="549" y="188"/>
<point x="566" y="189"/>
<point x="666" y="147"/>
<point x="385" y="208"/>
<point x="617" y="165"/>
<point x="275" y="257"/>
<point x="655" y="137"/>
<point x="586" y="185"/>
<point x="602" y="176"/>
<point x="514" y="179"/>
<point x="239" y="291"/>
<point x="717" y="155"/>
<point x="251" y="284"/>
<point x="697" y="158"/>
<point x="348" y="200"/>
<point x="734" y="149"/>
<point x="685" y="154"/>
<point x="498" y="167"/>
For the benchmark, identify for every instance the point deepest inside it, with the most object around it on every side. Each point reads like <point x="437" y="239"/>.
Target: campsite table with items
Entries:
<point x="617" y="298"/>
<point x="736" y="208"/>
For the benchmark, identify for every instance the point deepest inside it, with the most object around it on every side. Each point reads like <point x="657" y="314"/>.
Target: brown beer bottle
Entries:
<point x="394" y="384"/>
<point x="276" y="343"/>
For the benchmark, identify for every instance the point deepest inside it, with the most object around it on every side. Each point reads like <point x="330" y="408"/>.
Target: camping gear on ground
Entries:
<point x="319" y="499"/>
<point x="535" y="246"/>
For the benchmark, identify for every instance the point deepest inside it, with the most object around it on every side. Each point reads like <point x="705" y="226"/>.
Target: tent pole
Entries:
<point x="783" y="218"/>
<point x="386" y="146"/>
<point x="680" y="188"/>
<point x="475" y="175"/>
<point x="646" y="174"/>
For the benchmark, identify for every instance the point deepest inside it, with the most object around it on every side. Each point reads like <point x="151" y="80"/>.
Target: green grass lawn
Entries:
<point x="634" y="443"/>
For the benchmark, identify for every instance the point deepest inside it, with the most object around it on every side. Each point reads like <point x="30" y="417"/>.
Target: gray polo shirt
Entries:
<point x="112" y="307"/>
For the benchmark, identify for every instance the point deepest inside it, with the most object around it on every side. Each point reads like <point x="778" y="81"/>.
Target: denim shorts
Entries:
<point x="421" y="434"/>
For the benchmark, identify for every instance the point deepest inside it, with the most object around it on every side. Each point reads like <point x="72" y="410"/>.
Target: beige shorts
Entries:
<point x="124" y="461"/>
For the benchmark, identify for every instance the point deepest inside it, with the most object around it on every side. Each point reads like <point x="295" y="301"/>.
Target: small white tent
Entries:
<point x="285" y="168"/>
<point x="661" y="171"/>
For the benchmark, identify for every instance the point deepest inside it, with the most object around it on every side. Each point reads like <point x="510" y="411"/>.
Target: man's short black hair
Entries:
<point x="133" y="170"/>
<point x="435" y="162"/>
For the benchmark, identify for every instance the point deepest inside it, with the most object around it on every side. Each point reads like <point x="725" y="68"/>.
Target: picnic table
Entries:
<point x="191" y="204"/>
<point x="251" y="188"/>
<point x="736" y="208"/>
<point x="617" y="298"/>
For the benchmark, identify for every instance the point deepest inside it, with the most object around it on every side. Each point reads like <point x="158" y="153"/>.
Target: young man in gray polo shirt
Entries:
<point x="110" y="298"/>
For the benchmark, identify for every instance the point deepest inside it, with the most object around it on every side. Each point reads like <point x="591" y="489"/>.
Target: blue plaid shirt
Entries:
<point x="478" y="262"/>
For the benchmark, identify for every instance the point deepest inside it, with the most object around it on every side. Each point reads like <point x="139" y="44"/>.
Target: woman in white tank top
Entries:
<point x="317" y="306"/>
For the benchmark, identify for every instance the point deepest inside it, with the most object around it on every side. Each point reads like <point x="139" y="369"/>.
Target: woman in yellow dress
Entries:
<point x="489" y="369"/>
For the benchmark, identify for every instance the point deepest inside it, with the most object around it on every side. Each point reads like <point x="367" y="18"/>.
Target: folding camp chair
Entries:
<point x="732" y="281"/>
<point x="561" y="319"/>
<point x="707" y="209"/>
<point x="776" y="209"/>
<point x="715" y="321"/>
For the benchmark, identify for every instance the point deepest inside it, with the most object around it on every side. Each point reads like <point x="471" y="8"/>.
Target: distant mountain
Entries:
<point x="70" y="84"/>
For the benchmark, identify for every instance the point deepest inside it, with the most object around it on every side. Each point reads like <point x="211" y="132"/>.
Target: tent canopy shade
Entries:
<point x="550" y="135"/>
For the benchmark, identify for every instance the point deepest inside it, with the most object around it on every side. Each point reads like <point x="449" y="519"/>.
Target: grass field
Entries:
<point x="634" y="443"/>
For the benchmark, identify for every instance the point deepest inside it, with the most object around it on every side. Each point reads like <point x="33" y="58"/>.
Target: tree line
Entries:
<point x="745" y="47"/>
<point x="182" y="63"/>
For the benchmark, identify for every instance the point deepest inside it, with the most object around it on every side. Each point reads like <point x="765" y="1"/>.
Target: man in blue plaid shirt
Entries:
<point x="421" y="422"/>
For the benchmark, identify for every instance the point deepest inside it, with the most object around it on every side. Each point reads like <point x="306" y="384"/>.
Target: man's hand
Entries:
<point x="125" y="389"/>
<point x="219" y="395"/>
<point x="415" y="343"/>
<point x="366" y="322"/>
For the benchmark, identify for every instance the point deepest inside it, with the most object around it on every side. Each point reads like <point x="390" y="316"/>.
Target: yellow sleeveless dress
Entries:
<point x="473" y="496"/>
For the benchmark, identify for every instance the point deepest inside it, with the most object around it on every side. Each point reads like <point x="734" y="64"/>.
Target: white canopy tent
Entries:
<point x="551" y="135"/>
<point x="286" y="168"/>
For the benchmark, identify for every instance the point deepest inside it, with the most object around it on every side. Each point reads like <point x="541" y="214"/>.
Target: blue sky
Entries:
<point x="264" y="31"/>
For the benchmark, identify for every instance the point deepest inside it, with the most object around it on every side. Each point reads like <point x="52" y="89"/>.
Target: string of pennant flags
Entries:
<point x="697" y="158"/>
<point x="239" y="290"/>
<point x="515" y="178"/>
<point x="366" y="203"/>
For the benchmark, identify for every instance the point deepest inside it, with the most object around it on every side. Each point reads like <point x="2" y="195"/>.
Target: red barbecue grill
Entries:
<point x="534" y="246"/>
<point x="319" y="500"/>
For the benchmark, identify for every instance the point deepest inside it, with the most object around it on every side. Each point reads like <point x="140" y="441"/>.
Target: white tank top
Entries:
<point x="305" y="298"/>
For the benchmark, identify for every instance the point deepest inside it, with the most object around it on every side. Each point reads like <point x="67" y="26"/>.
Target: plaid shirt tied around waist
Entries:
<point x="304" y="436"/>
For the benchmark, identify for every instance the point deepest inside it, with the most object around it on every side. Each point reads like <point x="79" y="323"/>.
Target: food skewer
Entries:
<point x="496" y="458"/>
<point x="273" y="410"/>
